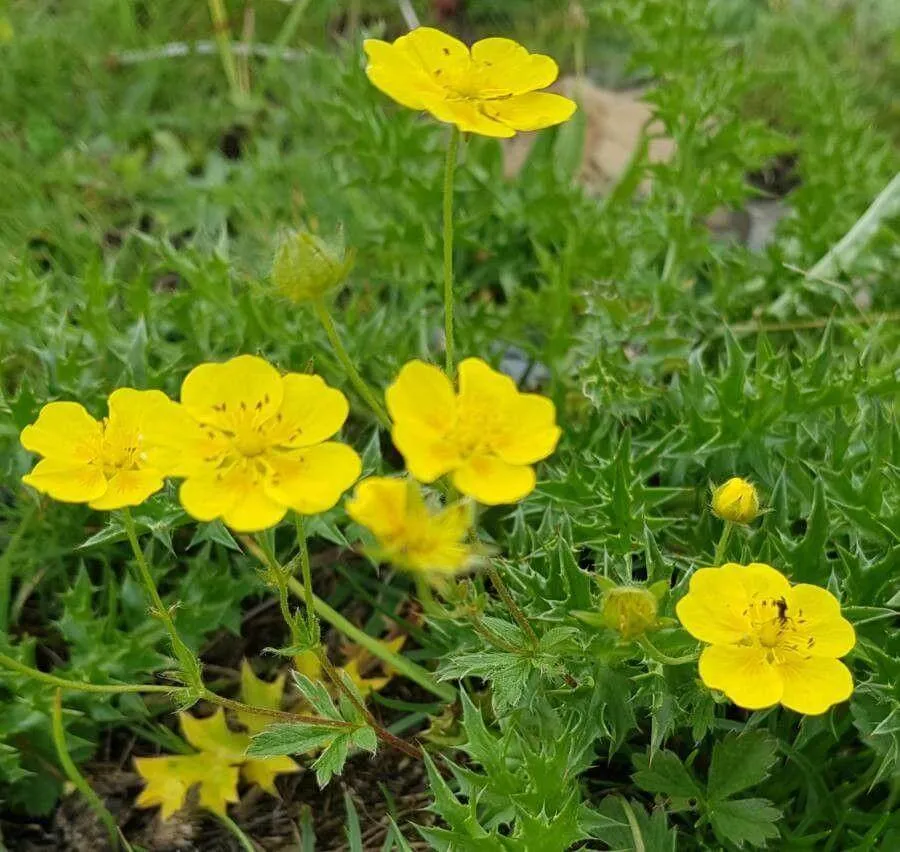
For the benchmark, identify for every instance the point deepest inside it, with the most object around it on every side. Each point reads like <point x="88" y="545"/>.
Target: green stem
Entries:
<point x="77" y="779"/>
<point x="511" y="605"/>
<point x="268" y="713"/>
<point x="403" y="665"/>
<point x="343" y="356"/>
<point x="6" y="563"/>
<point x="190" y="665"/>
<point x="449" y="169"/>
<point x="722" y="546"/>
<point x="243" y="841"/>
<point x="222" y="34"/>
<point x="64" y="683"/>
<point x="655" y="654"/>
<point x="490" y="636"/>
<point x="307" y="573"/>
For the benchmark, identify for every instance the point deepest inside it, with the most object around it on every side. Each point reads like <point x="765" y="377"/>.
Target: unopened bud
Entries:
<point x="306" y="267"/>
<point x="630" y="610"/>
<point x="736" y="501"/>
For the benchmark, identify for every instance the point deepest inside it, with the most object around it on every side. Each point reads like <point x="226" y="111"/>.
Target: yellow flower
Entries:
<point x="490" y="90"/>
<point x="769" y="642"/>
<point x="409" y="534"/>
<point x="105" y="463"/>
<point x="487" y="436"/>
<point x="252" y="444"/>
<point x="736" y="501"/>
<point x="169" y="778"/>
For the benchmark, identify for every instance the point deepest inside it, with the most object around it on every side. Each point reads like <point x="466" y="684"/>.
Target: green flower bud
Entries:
<point x="736" y="501"/>
<point x="630" y="610"/>
<point x="306" y="267"/>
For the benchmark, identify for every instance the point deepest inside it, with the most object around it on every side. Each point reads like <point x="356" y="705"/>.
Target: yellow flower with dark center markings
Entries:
<point x="736" y="501"/>
<point x="252" y="443"/>
<point x="408" y="532"/>
<point x="106" y="464"/>
<point x="490" y="90"/>
<point x="487" y="436"/>
<point x="769" y="642"/>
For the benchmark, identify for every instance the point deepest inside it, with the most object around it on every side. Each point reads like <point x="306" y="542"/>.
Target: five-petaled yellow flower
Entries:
<point x="490" y="90"/>
<point x="769" y="642"/>
<point x="252" y="444"/>
<point x="487" y="436"/>
<point x="411" y="535"/>
<point x="103" y="463"/>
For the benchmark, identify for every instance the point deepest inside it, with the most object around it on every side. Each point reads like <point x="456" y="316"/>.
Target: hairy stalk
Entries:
<point x="243" y="841"/>
<point x="401" y="664"/>
<point x="514" y="609"/>
<point x="449" y="170"/>
<point x="77" y="779"/>
<point x="277" y="715"/>
<point x="190" y="665"/>
<point x="655" y="654"/>
<point x="311" y="618"/>
<point x="6" y="563"/>
<point x="358" y="382"/>
<point x="490" y="636"/>
<point x="222" y="33"/>
<point x="64" y="683"/>
<point x="722" y="546"/>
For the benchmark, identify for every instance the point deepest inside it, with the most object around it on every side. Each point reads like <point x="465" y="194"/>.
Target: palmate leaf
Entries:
<point x="742" y="821"/>
<point x="666" y="775"/>
<point x="739" y="762"/>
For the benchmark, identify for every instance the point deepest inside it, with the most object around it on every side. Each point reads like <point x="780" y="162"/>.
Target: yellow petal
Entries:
<point x="743" y="674"/>
<point x="237" y="496"/>
<point x="817" y="613"/>
<point x="492" y="481"/>
<point x="262" y="771"/>
<point x="218" y="787"/>
<point x="532" y="434"/>
<point x="169" y="779"/>
<point x="813" y="684"/>
<point x="504" y="66"/>
<point x="258" y="693"/>
<point x="759" y="579"/>
<point x="481" y="387"/>
<point x="532" y="111"/>
<point x="311" y="412"/>
<point x="176" y="444"/>
<point x="422" y="397"/>
<point x="379" y="504"/>
<point x="69" y="482"/>
<point x="64" y="431"/>
<point x="713" y="609"/>
<point x="312" y="480"/>
<point x="213" y="735"/>
<point x="245" y="388"/>
<point x="398" y="74"/>
<point x="468" y="116"/>
<point x="441" y="56"/>
<point x="128" y="488"/>
<point x="427" y="455"/>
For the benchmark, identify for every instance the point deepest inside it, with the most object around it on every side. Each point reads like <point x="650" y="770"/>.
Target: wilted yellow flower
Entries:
<point x="736" y="501"/>
<point x="103" y="463"/>
<point x="306" y="267"/>
<point x="252" y="444"/>
<point x="222" y="755"/>
<point x="409" y="534"/>
<point x="490" y="90"/>
<point x="769" y="642"/>
<point x="630" y="610"/>
<point x="487" y="436"/>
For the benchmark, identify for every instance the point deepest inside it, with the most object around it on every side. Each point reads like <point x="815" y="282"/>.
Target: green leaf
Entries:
<point x="289" y="738"/>
<point x="742" y="821"/>
<point x="351" y="825"/>
<point x="667" y="776"/>
<point x="331" y="761"/>
<point x="739" y="762"/>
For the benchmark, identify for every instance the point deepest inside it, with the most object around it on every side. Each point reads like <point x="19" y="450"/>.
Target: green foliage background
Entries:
<point x="138" y="211"/>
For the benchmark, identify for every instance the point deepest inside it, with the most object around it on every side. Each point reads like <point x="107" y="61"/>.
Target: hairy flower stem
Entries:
<point x="222" y="33"/>
<point x="77" y="779"/>
<point x="449" y="170"/>
<point x="722" y="546"/>
<point x="658" y="656"/>
<point x="358" y="382"/>
<point x="514" y="609"/>
<point x="190" y="665"/>
<point x="311" y="618"/>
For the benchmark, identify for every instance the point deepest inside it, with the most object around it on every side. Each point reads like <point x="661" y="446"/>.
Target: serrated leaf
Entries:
<point x="742" y="821"/>
<point x="331" y="761"/>
<point x="666" y="775"/>
<point x="739" y="762"/>
<point x="289" y="738"/>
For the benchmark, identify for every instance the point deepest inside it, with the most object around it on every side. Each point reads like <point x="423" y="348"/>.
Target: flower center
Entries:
<point x="118" y="451"/>
<point x="777" y="628"/>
